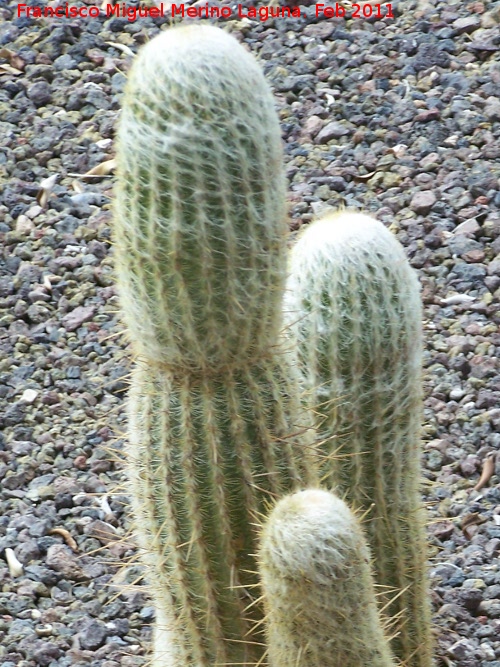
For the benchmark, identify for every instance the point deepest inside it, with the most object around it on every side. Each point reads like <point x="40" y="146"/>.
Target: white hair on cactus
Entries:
<point x="319" y="591"/>
<point x="353" y="308"/>
<point x="216" y="427"/>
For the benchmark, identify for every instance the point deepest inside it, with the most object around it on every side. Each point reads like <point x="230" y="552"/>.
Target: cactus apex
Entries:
<point x="200" y="212"/>
<point x="319" y="591"/>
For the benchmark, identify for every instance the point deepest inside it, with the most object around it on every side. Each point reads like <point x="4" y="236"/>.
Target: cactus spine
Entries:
<point x="318" y="586"/>
<point x="200" y="259"/>
<point x="353" y="305"/>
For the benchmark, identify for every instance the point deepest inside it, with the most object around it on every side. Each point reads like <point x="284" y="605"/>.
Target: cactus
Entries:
<point x="200" y="204"/>
<point x="216" y="428"/>
<point x="353" y="306"/>
<point x="318" y="587"/>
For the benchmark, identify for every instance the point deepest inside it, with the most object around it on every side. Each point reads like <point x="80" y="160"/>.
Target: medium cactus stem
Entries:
<point x="206" y="456"/>
<point x="215" y="423"/>
<point x="353" y="305"/>
<point x="318" y="587"/>
<point x="200" y="207"/>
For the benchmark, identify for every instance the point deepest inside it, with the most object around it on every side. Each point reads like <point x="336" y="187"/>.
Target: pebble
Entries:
<point x="77" y="317"/>
<point x="40" y="93"/>
<point x="29" y="395"/>
<point x="422" y="202"/>
<point x="62" y="560"/>
<point x="470" y="226"/>
<point x="93" y="635"/>
<point x="331" y="131"/>
<point x="467" y="24"/>
<point x="462" y="649"/>
<point x="313" y="125"/>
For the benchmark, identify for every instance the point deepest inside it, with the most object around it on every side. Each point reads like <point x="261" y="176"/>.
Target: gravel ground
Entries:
<point x="399" y="117"/>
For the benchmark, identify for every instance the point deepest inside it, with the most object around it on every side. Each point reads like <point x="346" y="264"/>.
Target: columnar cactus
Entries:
<point x="216" y="429"/>
<point x="318" y="587"/>
<point x="353" y="306"/>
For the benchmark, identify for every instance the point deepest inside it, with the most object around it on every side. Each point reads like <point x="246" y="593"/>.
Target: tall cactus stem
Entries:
<point x="354" y="308"/>
<point x="216" y="428"/>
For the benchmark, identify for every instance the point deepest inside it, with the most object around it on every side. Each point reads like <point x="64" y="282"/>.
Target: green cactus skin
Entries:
<point x="200" y="203"/>
<point x="318" y="587"/>
<point x="207" y="456"/>
<point x="353" y="306"/>
<point x="216" y="430"/>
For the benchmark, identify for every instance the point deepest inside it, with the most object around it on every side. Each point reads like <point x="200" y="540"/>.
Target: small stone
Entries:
<point x="470" y="226"/>
<point x="40" y="93"/>
<point x="320" y="30"/>
<point x="475" y="584"/>
<point x="430" y="55"/>
<point x="93" y="636"/>
<point x="337" y="183"/>
<point x="474" y="256"/>
<point x="434" y="460"/>
<point x="29" y="395"/>
<point x="73" y="372"/>
<point x="38" y="313"/>
<point x="461" y="650"/>
<point x="333" y="130"/>
<point x="492" y="109"/>
<point x="65" y="62"/>
<point x="470" y="598"/>
<point x="24" y="225"/>
<point x="80" y="462"/>
<point x="38" y="295"/>
<point x="102" y="531"/>
<point x="147" y="614"/>
<point x="66" y="485"/>
<point x="312" y="126"/>
<point x="494" y="267"/>
<point x="457" y="393"/>
<point x="44" y="630"/>
<point x="61" y="559"/>
<point x="46" y="653"/>
<point x="469" y="465"/>
<point x="15" y="414"/>
<point x="34" y="212"/>
<point x="319" y="208"/>
<point x="77" y="317"/>
<point x="443" y="530"/>
<point x="467" y="24"/>
<point x="41" y="493"/>
<point x="323" y="191"/>
<point x="427" y="115"/>
<point x="422" y="202"/>
<point x="95" y="56"/>
<point x="488" y="654"/>
<point x="451" y="140"/>
<point x="446" y="572"/>
<point x="51" y="398"/>
<point x="470" y="273"/>
<point x="492" y="547"/>
<point x="490" y="608"/>
<point x="483" y="45"/>
<point x="27" y="552"/>
<point x="429" y="159"/>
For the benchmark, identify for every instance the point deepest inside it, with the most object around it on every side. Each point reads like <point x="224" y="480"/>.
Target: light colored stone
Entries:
<point x="422" y="202"/>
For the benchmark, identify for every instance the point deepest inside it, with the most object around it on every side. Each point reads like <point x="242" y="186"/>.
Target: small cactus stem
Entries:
<point x="319" y="593"/>
<point x="216" y="427"/>
<point x="353" y="306"/>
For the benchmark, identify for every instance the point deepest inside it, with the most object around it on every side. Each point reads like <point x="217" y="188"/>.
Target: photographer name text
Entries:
<point x="263" y="13"/>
